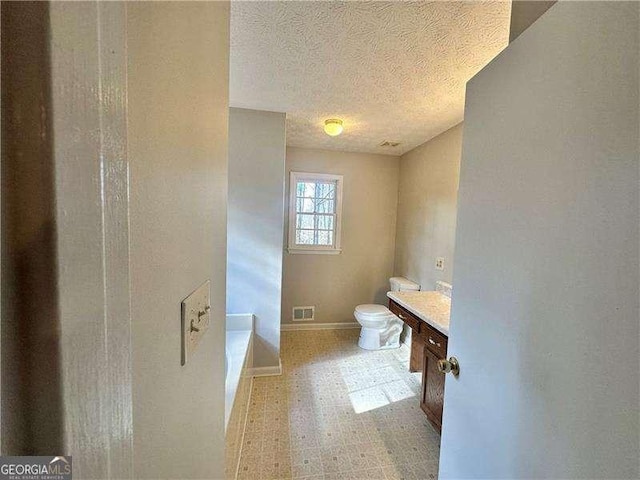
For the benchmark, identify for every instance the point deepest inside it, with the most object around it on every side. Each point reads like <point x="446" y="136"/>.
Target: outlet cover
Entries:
<point x="439" y="263"/>
<point x="196" y="310"/>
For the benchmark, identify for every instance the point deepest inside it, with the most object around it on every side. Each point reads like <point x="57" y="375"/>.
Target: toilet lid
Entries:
<point x="373" y="310"/>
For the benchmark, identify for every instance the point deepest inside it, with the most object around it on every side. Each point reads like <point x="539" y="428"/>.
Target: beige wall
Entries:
<point x="427" y="197"/>
<point x="66" y="362"/>
<point x="255" y="243"/>
<point x="69" y="195"/>
<point x="335" y="284"/>
<point x="89" y="72"/>
<point x="524" y="13"/>
<point x="178" y="123"/>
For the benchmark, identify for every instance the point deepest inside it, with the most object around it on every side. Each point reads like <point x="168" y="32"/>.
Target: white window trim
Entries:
<point x="294" y="178"/>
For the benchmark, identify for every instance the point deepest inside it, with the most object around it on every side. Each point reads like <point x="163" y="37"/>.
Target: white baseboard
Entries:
<point x="318" y="326"/>
<point x="266" y="371"/>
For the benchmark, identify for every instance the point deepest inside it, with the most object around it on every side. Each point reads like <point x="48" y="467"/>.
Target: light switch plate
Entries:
<point x="196" y="312"/>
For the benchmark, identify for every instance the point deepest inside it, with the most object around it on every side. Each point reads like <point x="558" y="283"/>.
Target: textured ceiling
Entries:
<point x="391" y="70"/>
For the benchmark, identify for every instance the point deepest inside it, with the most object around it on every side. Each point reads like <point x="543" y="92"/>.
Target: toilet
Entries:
<point x="380" y="327"/>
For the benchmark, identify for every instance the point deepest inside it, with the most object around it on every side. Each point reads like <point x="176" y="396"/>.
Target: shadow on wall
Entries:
<point x="32" y="414"/>
<point x="254" y="274"/>
<point x="381" y="295"/>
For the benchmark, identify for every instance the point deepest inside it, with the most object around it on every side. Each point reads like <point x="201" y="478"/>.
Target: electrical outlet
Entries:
<point x="439" y="263"/>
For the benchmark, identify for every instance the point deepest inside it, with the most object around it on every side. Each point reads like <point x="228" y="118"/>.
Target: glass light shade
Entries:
<point x="333" y="127"/>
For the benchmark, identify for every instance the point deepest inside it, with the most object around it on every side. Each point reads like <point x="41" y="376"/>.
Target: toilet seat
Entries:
<point x="372" y="310"/>
<point x="373" y="316"/>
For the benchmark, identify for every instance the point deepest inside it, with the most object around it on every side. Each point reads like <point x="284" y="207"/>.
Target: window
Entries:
<point x="315" y="211"/>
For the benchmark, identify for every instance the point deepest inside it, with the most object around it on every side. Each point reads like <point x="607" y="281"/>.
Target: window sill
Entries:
<point x="313" y="251"/>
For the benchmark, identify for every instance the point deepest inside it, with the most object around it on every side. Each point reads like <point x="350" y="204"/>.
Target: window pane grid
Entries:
<point x="314" y="237"/>
<point x="312" y="205"/>
<point x="315" y="213"/>
<point x="308" y="205"/>
<point x="323" y="190"/>
<point x="328" y="196"/>
<point x="314" y="221"/>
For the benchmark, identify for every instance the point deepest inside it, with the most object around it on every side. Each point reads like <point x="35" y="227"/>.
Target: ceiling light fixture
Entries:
<point x="333" y="127"/>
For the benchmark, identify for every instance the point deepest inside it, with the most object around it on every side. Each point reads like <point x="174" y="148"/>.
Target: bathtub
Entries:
<point x="238" y="382"/>
<point x="238" y="361"/>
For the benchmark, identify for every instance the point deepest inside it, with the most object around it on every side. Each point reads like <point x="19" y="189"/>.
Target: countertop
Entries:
<point x="432" y="307"/>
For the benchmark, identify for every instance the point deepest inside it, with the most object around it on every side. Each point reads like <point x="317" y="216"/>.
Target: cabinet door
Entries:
<point x="432" y="399"/>
<point x="416" y="361"/>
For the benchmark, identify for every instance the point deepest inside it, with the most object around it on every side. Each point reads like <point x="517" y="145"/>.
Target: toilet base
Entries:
<point x="370" y="340"/>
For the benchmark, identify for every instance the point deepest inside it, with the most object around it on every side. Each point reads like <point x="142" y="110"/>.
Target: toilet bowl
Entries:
<point x="380" y="327"/>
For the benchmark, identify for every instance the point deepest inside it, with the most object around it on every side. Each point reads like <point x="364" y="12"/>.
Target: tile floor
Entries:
<point x="338" y="412"/>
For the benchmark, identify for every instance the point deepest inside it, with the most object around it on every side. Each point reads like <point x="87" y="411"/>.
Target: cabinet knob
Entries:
<point x="451" y="365"/>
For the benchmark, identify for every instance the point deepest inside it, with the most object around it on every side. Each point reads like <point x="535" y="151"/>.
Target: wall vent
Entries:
<point x="388" y="143"/>
<point x="304" y="314"/>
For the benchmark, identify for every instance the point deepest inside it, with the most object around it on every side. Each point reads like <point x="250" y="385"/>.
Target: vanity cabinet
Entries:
<point x="432" y="397"/>
<point x="417" y="343"/>
<point x="428" y="345"/>
<point x="416" y="361"/>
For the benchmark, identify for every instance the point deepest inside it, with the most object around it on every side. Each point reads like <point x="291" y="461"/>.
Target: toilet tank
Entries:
<point x="401" y="284"/>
